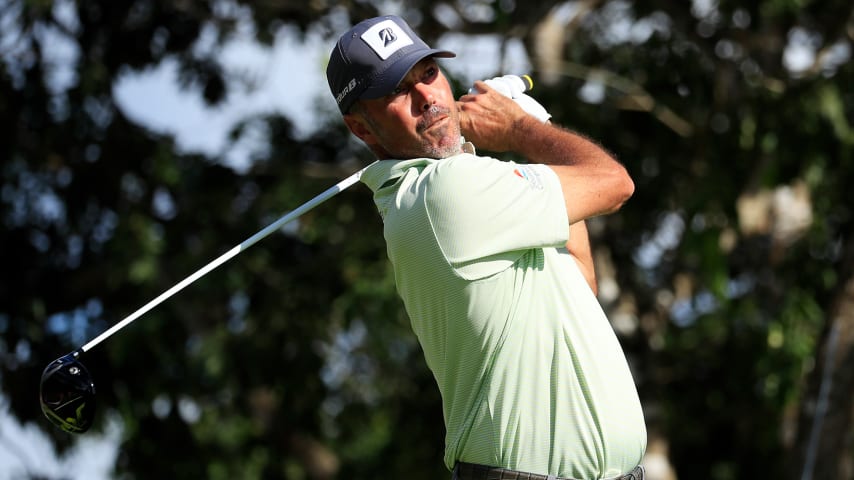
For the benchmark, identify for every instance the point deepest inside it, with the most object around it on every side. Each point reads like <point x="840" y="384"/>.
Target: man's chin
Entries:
<point x="448" y="151"/>
<point x="447" y="146"/>
<point x="440" y="147"/>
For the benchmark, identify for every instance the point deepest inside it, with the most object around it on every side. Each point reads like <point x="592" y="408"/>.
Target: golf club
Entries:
<point x="67" y="392"/>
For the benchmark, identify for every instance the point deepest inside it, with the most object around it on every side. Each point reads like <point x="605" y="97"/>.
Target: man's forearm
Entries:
<point x="553" y="145"/>
<point x="579" y="247"/>
<point x="593" y="181"/>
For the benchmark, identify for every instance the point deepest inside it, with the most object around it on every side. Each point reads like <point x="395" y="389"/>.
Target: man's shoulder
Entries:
<point x="438" y="175"/>
<point x="380" y="173"/>
<point x="465" y="170"/>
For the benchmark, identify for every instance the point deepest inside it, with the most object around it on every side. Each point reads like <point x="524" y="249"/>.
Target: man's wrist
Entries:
<point x="524" y="136"/>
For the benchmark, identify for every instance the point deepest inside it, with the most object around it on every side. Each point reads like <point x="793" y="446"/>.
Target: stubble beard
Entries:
<point x="448" y="134"/>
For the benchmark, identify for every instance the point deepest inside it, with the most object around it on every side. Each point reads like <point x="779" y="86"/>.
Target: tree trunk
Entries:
<point x="824" y="448"/>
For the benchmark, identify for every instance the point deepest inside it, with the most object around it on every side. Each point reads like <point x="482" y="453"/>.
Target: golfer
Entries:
<point x="493" y="263"/>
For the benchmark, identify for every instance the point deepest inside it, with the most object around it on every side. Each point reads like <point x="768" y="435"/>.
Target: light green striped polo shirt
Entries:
<point x="531" y="374"/>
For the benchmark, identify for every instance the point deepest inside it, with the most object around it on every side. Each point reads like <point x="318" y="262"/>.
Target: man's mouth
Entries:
<point x="432" y="118"/>
<point x="436" y="122"/>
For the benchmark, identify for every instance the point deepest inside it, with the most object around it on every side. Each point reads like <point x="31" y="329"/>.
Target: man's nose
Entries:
<point x="425" y="96"/>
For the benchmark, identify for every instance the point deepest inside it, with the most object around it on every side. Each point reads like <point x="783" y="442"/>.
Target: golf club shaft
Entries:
<point x="293" y="215"/>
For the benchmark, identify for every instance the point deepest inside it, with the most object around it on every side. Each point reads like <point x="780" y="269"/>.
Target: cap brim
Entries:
<point x="386" y="82"/>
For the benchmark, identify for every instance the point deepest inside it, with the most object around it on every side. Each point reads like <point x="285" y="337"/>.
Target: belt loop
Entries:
<point x="455" y="475"/>
<point x="639" y="473"/>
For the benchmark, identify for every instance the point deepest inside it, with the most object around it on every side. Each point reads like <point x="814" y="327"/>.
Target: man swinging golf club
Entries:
<point x="493" y="263"/>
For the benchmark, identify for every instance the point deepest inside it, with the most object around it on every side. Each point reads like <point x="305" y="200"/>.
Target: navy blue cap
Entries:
<point x="371" y="59"/>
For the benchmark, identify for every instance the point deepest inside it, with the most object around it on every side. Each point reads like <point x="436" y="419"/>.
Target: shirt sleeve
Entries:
<point x="486" y="213"/>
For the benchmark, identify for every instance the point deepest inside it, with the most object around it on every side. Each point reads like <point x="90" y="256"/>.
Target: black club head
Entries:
<point x="67" y="394"/>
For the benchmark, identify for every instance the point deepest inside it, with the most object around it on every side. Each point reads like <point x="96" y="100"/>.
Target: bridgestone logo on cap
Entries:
<point x="385" y="38"/>
<point x="388" y="37"/>
<point x="349" y="88"/>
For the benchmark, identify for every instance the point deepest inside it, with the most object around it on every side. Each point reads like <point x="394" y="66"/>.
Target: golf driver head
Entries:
<point x="67" y="394"/>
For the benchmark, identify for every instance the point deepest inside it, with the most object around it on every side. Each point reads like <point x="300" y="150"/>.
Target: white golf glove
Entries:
<point x="514" y="87"/>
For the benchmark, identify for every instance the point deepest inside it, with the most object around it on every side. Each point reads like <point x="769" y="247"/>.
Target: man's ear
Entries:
<point x="359" y="128"/>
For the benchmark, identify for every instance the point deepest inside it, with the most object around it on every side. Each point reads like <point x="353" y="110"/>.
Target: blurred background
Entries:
<point x="142" y="139"/>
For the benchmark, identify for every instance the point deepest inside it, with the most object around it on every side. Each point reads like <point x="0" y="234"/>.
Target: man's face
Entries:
<point x="419" y="119"/>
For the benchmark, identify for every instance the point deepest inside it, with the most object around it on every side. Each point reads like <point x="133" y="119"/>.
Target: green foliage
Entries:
<point x="296" y="360"/>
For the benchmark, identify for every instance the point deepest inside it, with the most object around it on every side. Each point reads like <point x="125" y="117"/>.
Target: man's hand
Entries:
<point x="489" y="119"/>
<point x="514" y="86"/>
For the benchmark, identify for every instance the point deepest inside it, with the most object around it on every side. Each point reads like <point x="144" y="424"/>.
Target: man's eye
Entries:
<point x="398" y="90"/>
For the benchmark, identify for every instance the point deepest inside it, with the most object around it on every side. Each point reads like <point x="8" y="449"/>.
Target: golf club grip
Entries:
<point x="292" y="215"/>
<point x="520" y="83"/>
